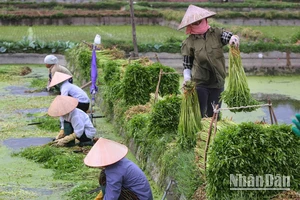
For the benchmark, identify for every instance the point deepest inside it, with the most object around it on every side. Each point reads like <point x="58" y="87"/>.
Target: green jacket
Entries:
<point x="209" y="63"/>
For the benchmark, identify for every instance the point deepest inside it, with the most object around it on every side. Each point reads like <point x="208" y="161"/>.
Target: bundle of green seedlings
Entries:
<point x="202" y="137"/>
<point x="237" y="93"/>
<point x="190" y="117"/>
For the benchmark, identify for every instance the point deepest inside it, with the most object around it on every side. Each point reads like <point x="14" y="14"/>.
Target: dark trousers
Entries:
<point x="68" y="129"/>
<point x="83" y="106"/>
<point x="207" y="97"/>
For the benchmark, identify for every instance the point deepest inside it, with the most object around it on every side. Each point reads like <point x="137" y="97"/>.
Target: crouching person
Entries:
<point x="78" y="124"/>
<point x="120" y="178"/>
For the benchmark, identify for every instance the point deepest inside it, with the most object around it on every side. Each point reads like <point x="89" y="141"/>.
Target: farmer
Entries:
<point x="203" y="58"/>
<point x="61" y="80"/>
<point x="51" y="63"/>
<point x="80" y="126"/>
<point x="120" y="178"/>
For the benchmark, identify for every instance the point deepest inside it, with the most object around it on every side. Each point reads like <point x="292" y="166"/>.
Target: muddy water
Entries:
<point x="280" y="90"/>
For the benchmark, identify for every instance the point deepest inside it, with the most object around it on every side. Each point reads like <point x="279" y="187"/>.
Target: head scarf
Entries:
<point x="198" y="29"/>
<point x="51" y="60"/>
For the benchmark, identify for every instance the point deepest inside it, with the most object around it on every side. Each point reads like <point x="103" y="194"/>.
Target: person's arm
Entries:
<point x="113" y="186"/>
<point x="225" y="37"/>
<point x="228" y="38"/>
<point x="188" y="59"/>
<point x="187" y="67"/>
<point x="78" y="125"/>
<point x="61" y="119"/>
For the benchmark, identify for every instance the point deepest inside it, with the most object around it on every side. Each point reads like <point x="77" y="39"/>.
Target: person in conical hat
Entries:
<point x="51" y="62"/>
<point x="119" y="178"/>
<point x="203" y="57"/>
<point x="81" y="127"/>
<point x="66" y="88"/>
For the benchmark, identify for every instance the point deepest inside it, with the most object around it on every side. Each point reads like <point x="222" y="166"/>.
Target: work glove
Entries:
<point x="186" y="76"/>
<point x="296" y="128"/>
<point x="60" y="135"/>
<point x="234" y="41"/>
<point x="63" y="141"/>
<point x="99" y="196"/>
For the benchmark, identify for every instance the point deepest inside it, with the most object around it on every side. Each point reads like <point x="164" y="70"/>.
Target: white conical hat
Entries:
<point x="58" y="77"/>
<point x="62" y="105"/>
<point x="105" y="152"/>
<point x="193" y="14"/>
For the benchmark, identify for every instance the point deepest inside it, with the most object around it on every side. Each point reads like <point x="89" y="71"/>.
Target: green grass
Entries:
<point x="277" y="32"/>
<point x="145" y="34"/>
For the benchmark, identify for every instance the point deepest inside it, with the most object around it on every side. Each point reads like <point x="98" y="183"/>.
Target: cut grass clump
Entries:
<point x="66" y="164"/>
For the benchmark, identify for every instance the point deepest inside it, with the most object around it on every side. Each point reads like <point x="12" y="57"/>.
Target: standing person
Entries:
<point x="80" y="126"/>
<point x="203" y="57"/>
<point x="120" y="178"/>
<point x="51" y="63"/>
<point x="66" y="88"/>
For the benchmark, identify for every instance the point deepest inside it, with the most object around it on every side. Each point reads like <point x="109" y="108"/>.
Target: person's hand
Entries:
<point x="234" y="41"/>
<point x="186" y="76"/>
<point x="58" y="143"/>
<point x="60" y="135"/>
<point x="63" y="141"/>
<point x="296" y="128"/>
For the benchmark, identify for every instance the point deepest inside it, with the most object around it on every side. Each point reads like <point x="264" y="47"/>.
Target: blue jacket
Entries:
<point x="127" y="174"/>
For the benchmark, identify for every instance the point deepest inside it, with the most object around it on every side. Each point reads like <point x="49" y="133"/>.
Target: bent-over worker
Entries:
<point x="51" y="63"/>
<point x="79" y="124"/>
<point x="120" y="178"/>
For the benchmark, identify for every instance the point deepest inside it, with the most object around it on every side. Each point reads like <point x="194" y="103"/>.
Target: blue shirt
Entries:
<point x="127" y="174"/>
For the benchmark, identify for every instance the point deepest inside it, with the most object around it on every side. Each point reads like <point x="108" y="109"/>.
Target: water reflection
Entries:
<point x="284" y="110"/>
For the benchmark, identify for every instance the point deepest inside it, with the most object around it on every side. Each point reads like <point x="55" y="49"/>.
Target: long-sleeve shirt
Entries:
<point x="69" y="89"/>
<point x="81" y="123"/>
<point x="58" y="68"/>
<point x="127" y="174"/>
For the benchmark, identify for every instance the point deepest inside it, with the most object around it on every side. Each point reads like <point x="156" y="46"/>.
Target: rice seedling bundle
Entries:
<point x="190" y="117"/>
<point x="237" y="93"/>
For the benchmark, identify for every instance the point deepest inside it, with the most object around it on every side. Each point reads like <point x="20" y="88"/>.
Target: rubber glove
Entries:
<point x="186" y="76"/>
<point x="63" y="141"/>
<point x="99" y="196"/>
<point x="60" y="135"/>
<point x="234" y="41"/>
<point x="296" y="128"/>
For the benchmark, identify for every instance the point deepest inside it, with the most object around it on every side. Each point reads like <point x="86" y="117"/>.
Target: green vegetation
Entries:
<point x="252" y="149"/>
<point x="190" y="117"/>
<point x="150" y="38"/>
<point x="237" y="93"/>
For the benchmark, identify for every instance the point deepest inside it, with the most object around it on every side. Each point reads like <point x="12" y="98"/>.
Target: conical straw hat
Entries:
<point x="62" y="105"/>
<point x="105" y="152"/>
<point x="193" y="14"/>
<point x="58" y="77"/>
